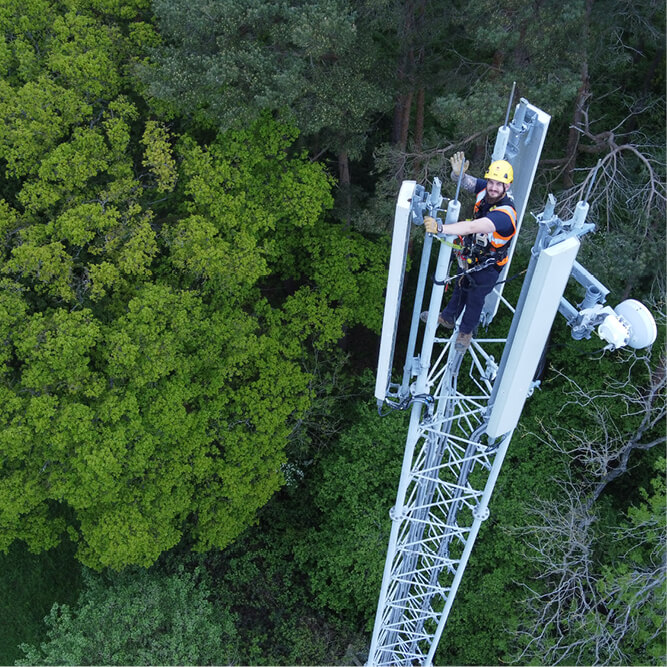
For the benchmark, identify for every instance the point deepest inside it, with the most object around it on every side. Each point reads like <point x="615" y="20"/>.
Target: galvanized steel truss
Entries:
<point x="443" y="506"/>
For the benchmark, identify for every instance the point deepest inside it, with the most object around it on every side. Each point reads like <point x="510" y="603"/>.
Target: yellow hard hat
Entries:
<point x="500" y="170"/>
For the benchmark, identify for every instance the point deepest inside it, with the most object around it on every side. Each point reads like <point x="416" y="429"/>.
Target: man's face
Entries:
<point x="495" y="190"/>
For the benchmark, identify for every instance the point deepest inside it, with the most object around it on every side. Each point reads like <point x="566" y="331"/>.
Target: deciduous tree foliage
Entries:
<point x="352" y="490"/>
<point x="304" y="582"/>
<point x="138" y="618"/>
<point x="148" y="384"/>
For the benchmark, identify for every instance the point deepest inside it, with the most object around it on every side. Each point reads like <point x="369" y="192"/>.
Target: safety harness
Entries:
<point x="486" y="249"/>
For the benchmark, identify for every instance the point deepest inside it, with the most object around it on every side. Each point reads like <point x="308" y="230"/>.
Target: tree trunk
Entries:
<point x="401" y="127"/>
<point x="343" y="169"/>
<point x="578" y="117"/>
<point x="344" y="182"/>
<point x="405" y="120"/>
<point x="419" y="129"/>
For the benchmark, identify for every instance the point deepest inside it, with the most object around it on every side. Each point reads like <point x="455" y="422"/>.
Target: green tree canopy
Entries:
<point x="315" y="63"/>
<point x="343" y="550"/>
<point x="138" y="618"/>
<point x="156" y="301"/>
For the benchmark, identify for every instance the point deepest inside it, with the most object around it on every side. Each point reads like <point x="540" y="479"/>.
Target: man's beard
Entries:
<point x="493" y="200"/>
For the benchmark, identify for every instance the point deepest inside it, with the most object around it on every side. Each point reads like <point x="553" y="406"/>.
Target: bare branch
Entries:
<point x="580" y="611"/>
<point x="578" y="615"/>
<point x="423" y="164"/>
<point x="617" y="188"/>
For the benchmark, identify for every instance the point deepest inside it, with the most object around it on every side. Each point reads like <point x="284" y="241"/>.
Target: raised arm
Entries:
<point x="459" y="162"/>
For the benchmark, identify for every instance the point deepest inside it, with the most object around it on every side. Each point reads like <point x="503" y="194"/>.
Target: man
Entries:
<point x="484" y="244"/>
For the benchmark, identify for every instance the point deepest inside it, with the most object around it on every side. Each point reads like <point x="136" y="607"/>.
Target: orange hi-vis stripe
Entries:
<point x="496" y="240"/>
<point x="511" y="212"/>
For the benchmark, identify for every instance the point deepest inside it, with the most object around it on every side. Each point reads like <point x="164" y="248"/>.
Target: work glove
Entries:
<point x="431" y="225"/>
<point x="459" y="162"/>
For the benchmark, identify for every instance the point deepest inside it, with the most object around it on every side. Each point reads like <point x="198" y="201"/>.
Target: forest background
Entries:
<point x="195" y="214"/>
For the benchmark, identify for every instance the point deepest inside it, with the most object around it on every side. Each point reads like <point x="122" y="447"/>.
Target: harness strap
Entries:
<point x="475" y="267"/>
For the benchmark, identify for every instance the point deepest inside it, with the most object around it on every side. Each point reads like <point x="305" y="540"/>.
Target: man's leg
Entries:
<point x="457" y="301"/>
<point x="480" y="283"/>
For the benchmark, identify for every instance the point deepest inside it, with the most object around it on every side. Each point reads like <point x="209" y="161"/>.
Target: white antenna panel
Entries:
<point x="399" y="249"/>
<point x="537" y="315"/>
